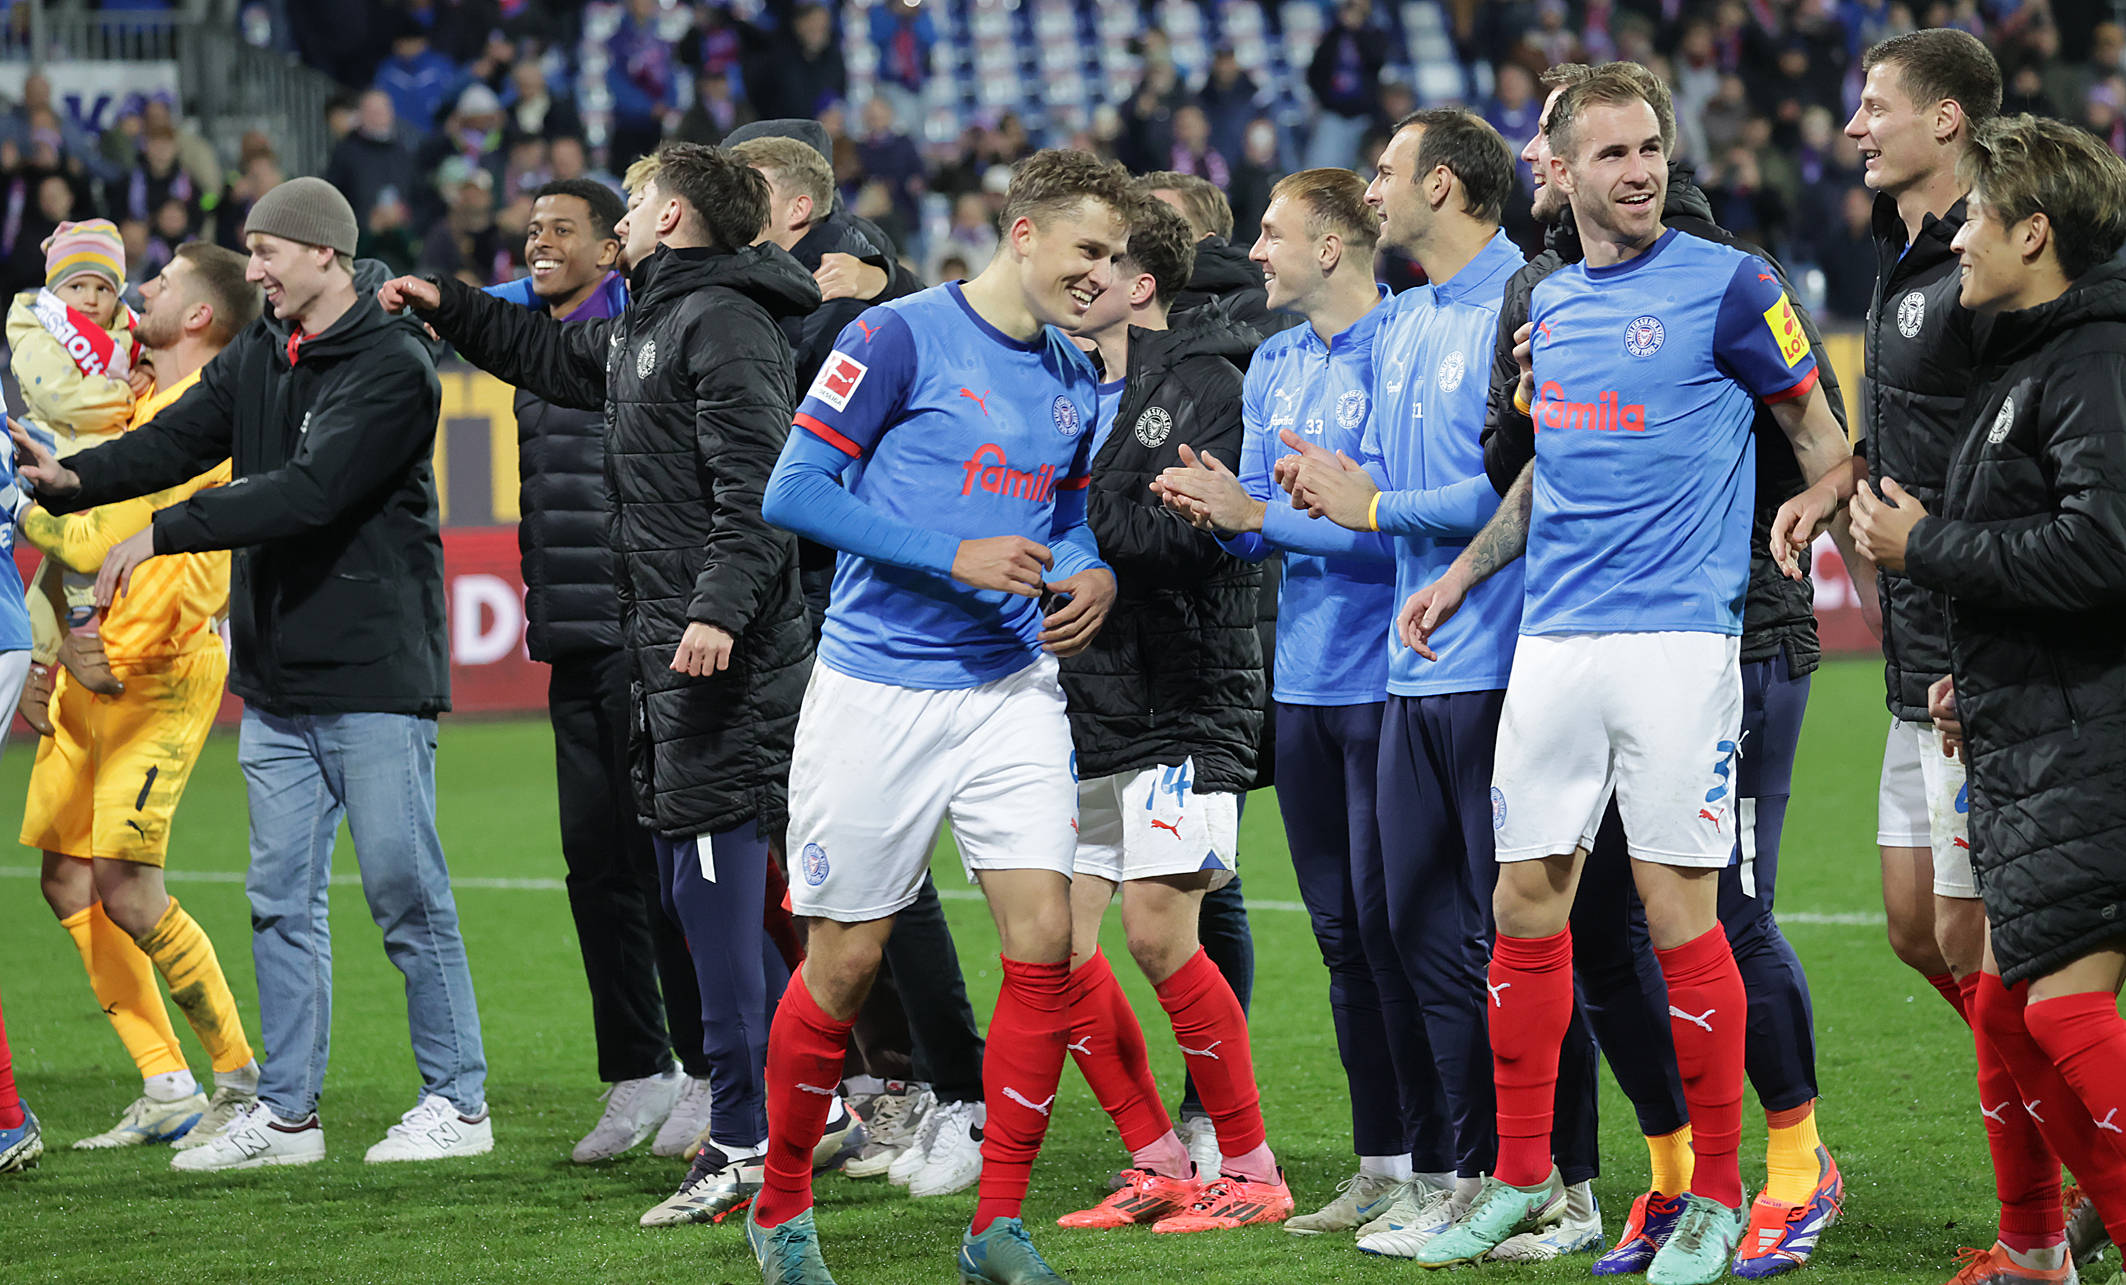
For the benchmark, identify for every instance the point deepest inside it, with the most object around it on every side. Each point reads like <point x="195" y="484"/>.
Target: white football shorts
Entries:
<point x="1136" y="825"/>
<point x="1649" y="718"/>
<point x="1923" y="803"/>
<point x="878" y="768"/>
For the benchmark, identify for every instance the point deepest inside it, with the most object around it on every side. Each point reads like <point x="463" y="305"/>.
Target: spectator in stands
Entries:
<point x="157" y="177"/>
<point x="473" y="133"/>
<point x="889" y="157"/>
<point x="717" y="42"/>
<point x="260" y="174"/>
<point x="806" y="70"/>
<point x="642" y="75"/>
<point x="1192" y="152"/>
<point x="1345" y="77"/>
<point x="715" y="112"/>
<point x="905" y="35"/>
<point x="1147" y="137"/>
<point x="467" y="244"/>
<point x="417" y="78"/>
<point x="373" y="160"/>
<point x="387" y="234"/>
<point x="535" y="111"/>
<point x="53" y="201"/>
<point x="972" y="234"/>
<point x="1514" y="110"/>
<point x="1228" y="100"/>
<point x="1845" y="251"/>
<point x="36" y="100"/>
<point x="1258" y="171"/>
<point x="194" y="153"/>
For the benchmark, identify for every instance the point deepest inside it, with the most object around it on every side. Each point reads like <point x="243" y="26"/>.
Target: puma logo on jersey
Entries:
<point x="1497" y="991"/>
<point x="982" y="400"/>
<point x="2107" y="1122"/>
<point x="1702" y="1021"/>
<point x="2032" y="1107"/>
<point x="867" y="329"/>
<point x="814" y="1089"/>
<point x="1157" y="824"/>
<point x="1084" y="1046"/>
<point x="1710" y="815"/>
<point x="1206" y="1051"/>
<point x="1993" y="1113"/>
<point x="1028" y="1103"/>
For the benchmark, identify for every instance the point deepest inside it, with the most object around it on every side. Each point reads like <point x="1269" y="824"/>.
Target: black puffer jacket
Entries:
<point x="1778" y="614"/>
<point x="1177" y="670"/>
<point x="1922" y="354"/>
<point x="2029" y="542"/>
<point x="1227" y="280"/>
<point x="336" y="586"/>
<point x="695" y="383"/>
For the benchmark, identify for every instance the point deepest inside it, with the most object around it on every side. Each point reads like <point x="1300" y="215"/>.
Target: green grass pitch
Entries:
<point x="1894" y="1063"/>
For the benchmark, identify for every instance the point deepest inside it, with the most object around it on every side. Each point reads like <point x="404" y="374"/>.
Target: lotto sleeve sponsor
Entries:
<point x="1759" y="339"/>
<point x="860" y="387"/>
<point x="1786" y="330"/>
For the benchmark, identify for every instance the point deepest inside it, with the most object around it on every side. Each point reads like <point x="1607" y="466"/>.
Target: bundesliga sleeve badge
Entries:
<point x="837" y="381"/>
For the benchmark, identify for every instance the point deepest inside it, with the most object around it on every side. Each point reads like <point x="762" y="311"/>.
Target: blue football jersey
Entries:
<point x="1647" y="377"/>
<point x="957" y="428"/>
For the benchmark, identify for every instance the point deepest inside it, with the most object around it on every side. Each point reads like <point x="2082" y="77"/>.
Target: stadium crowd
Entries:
<point x="822" y="559"/>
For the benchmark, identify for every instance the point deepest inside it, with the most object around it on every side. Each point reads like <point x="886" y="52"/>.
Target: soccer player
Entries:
<point x="963" y="418"/>
<point x="1626" y="681"/>
<point x="107" y="781"/>
<point x="1442" y="183"/>
<point x="1618" y="977"/>
<point x="2027" y="545"/>
<point x="1336" y="597"/>
<point x="21" y="1137"/>
<point x="1164" y="712"/>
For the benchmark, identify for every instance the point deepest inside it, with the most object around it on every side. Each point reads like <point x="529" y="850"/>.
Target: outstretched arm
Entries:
<point x="525" y="347"/>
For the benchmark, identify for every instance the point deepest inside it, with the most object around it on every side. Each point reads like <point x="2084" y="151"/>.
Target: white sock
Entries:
<point x="243" y="1079"/>
<point x="735" y="1154"/>
<point x="1580" y="1201"/>
<point x="2049" y="1259"/>
<point x="857" y="1086"/>
<point x="170" y="1086"/>
<point x="1436" y="1181"/>
<point x="1395" y="1168"/>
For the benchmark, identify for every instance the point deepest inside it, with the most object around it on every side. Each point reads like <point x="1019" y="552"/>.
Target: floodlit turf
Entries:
<point x="1895" y="1068"/>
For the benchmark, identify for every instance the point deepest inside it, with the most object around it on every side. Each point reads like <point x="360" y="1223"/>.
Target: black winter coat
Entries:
<point x="1778" y="614"/>
<point x="571" y="607"/>
<point x="1177" y="670"/>
<point x="694" y="381"/>
<point x="1226" y="279"/>
<point x="336" y="586"/>
<point x="2029" y="544"/>
<point x="1922" y="358"/>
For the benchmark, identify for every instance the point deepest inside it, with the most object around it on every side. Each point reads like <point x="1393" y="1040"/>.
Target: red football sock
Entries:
<point x="1531" y="1007"/>
<point x="2051" y="1101"/>
<point x="2086" y="1039"/>
<point x="1020" y="1070"/>
<point x="2026" y="1175"/>
<point x="1213" y="1034"/>
<point x="1108" y="1045"/>
<point x="10" y="1103"/>
<point x="1956" y="992"/>
<point x="1708" y="1018"/>
<point x="806" y="1049"/>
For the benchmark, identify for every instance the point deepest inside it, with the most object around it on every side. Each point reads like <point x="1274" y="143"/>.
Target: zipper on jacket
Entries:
<point x="2059" y="679"/>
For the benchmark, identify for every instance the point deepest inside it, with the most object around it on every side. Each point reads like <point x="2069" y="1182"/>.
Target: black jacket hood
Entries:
<point x="764" y="273"/>
<point x="1685" y="200"/>
<point x="1202" y="333"/>
<point x="2100" y="295"/>
<point x="1222" y="266"/>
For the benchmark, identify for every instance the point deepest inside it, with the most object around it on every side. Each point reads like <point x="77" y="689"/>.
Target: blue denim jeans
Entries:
<point x="302" y="774"/>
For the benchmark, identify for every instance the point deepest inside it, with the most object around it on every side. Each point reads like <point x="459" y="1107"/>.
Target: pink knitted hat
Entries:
<point x="92" y="245"/>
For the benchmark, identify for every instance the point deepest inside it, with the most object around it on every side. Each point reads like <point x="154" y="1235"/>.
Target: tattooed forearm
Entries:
<point x="1505" y="537"/>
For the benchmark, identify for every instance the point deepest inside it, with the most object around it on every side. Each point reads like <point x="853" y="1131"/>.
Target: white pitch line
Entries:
<point x="1810" y="918"/>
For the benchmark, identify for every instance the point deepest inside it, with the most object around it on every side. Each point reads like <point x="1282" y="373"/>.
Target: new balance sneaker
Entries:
<point x="1994" y="1267"/>
<point x="788" y="1254"/>
<point x="891" y="1123"/>
<point x="434" y="1130"/>
<point x="633" y="1111"/>
<point x="954" y="1160"/>
<point x="1579" y="1231"/>
<point x="147" y="1122"/>
<point x="686" y="1126"/>
<point x="844" y="1139"/>
<point x="1200" y="1136"/>
<point x="1229" y="1203"/>
<point x="1144" y="1197"/>
<point x="1498" y="1214"/>
<point x="21" y="1145"/>
<point x="1358" y="1199"/>
<point x="254" y="1140"/>
<point x="1700" y="1249"/>
<point x="716" y="1186"/>
<point x="227" y="1103"/>
<point x="1652" y="1218"/>
<point x="1780" y="1236"/>
<point x="2087" y="1237"/>
<point x="1412" y="1223"/>
<point x="1004" y="1255"/>
<point x="924" y="1128"/>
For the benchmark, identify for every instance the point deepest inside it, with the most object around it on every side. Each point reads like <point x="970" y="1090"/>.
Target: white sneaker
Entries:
<point x="955" y="1158"/>
<point x="1358" y="1199"/>
<point x="434" y="1131"/>
<point x="633" y="1110"/>
<point x="891" y="1120"/>
<point x="222" y="1110"/>
<point x="1411" y="1228"/>
<point x="1579" y="1230"/>
<point x="1399" y="1211"/>
<point x="148" y="1121"/>
<point x="686" y="1122"/>
<point x="255" y="1139"/>
<point x="716" y="1186"/>
<point x="845" y="1137"/>
<point x="924" y="1130"/>
<point x="1200" y="1136"/>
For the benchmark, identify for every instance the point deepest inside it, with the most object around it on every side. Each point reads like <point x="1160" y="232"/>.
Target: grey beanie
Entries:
<point x="308" y="210"/>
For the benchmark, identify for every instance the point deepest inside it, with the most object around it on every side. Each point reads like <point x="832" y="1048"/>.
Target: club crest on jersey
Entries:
<point x="1351" y="409"/>
<point x="1452" y="369"/>
<point x="1643" y="336"/>
<point x="837" y="381"/>
<point x="1153" y="426"/>
<point x="1498" y="808"/>
<point x="814" y="858"/>
<point x="2002" y="423"/>
<point x="646" y="359"/>
<point x="1911" y="314"/>
<point x="1066" y="413"/>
